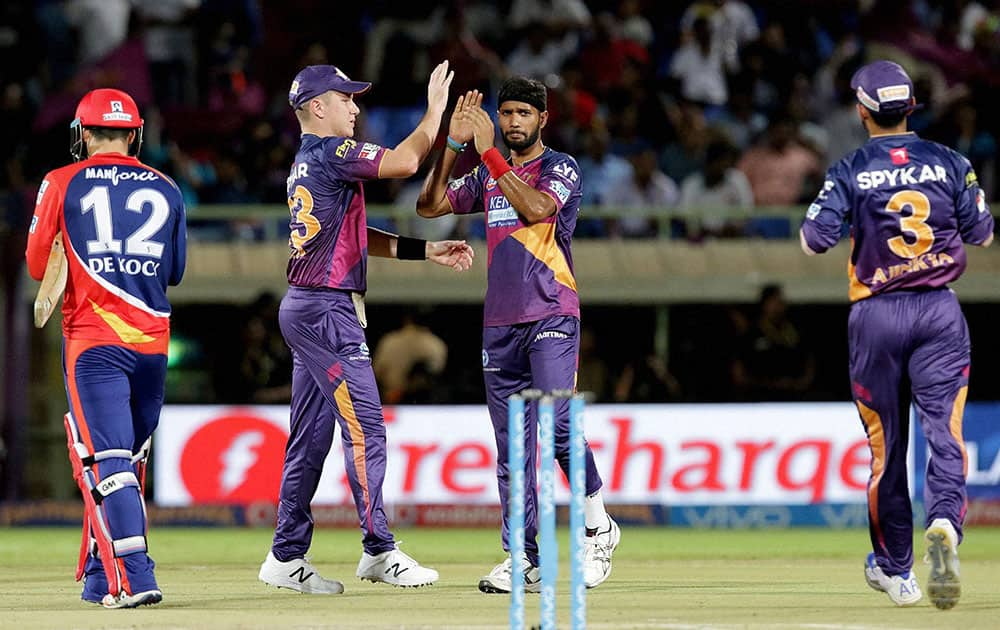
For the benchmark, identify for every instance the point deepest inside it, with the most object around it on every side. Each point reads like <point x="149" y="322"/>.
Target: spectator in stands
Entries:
<point x="732" y="22"/>
<point x="635" y="198"/>
<point x="473" y="62"/>
<point x="100" y="26"/>
<point x="635" y="26"/>
<point x="685" y="154"/>
<point x="780" y="169"/>
<point x="540" y="55"/>
<point x="605" y="53"/>
<point x="646" y="379"/>
<point x="772" y="362"/>
<point x="700" y="68"/>
<point x="600" y="171"/>
<point x="397" y="353"/>
<point x="559" y="16"/>
<point x="739" y="121"/>
<point x="169" y="37"/>
<point x="716" y="202"/>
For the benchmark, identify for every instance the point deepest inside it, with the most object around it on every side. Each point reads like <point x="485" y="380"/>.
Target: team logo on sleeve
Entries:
<point x="566" y="171"/>
<point x="813" y="211"/>
<point x="369" y="151"/>
<point x="345" y="146"/>
<point x="559" y="189"/>
<point x="970" y="179"/>
<point x="899" y="156"/>
<point x="980" y="200"/>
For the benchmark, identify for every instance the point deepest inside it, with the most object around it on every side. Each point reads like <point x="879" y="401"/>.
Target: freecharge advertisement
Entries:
<point x="754" y="454"/>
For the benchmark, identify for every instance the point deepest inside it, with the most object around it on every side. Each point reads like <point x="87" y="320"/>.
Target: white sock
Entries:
<point x="594" y="515"/>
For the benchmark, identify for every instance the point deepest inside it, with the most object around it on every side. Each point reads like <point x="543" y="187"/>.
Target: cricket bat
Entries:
<point x="53" y="283"/>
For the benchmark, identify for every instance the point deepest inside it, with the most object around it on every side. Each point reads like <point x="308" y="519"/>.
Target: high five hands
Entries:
<point x="470" y="121"/>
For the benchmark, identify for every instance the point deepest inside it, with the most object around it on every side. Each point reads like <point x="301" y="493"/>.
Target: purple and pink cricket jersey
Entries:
<point x="910" y="205"/>
<point x="531" y="337"/>
<point x="332" y="379"/>
<point x="530" y="273"/>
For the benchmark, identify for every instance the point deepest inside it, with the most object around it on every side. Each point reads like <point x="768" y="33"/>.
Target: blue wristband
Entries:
<point x="455" y="146"/>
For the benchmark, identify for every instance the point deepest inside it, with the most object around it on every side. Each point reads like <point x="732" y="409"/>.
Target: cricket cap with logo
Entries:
<point x="312" y="81"/>
<point x="883" y="87"/>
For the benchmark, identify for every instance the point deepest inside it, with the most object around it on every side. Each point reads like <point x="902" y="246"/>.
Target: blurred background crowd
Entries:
<point x="714" y="109"/>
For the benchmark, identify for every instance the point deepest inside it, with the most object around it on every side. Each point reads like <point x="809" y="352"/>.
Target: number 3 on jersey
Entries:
<point x="300" y="204"/>
<point x="915" y="223"/>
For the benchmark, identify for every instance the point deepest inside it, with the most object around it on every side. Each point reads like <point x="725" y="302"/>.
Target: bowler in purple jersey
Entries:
<point x="322" y="320"/>
<point x="532" y="312"/>
<point x="911" y="205"/>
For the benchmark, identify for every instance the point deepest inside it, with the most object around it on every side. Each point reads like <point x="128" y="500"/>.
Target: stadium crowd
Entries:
<point x="709" y="108"/>
<point x="695" y="106"/>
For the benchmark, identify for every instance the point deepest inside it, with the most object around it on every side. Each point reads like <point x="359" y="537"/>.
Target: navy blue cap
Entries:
<point x="312" y="81"/>
<point x="883" y="87"/>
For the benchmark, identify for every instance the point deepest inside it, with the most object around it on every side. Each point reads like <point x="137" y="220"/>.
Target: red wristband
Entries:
<point x="495" y="163"/>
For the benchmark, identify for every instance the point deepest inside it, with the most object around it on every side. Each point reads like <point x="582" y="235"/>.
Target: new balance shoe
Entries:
<point x="124" y="600"/>
<point x="903" y="590"/>
<point x="598" y="549"/>
<point x="298" y="575"/>
<point x="396" y="568"/>
<point x="498" y="580"/>
<point x="944" y="585"/>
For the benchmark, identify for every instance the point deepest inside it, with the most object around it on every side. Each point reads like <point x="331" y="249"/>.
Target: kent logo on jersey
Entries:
<point x="899" y="156"/>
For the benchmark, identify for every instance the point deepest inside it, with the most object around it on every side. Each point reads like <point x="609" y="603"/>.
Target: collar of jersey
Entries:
<point x="534" y="159"/>
<point x="113" y="157"/>
<point x="896" y="137"/>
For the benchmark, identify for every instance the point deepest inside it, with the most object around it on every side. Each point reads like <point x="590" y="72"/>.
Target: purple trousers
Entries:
<point x="910" y="346"/>
<point x="332" y="384"/>
<point x="535" y="355"/>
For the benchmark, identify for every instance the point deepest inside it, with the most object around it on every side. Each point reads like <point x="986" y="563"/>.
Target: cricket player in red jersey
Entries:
<point x="531" y="336"/>
<point x="912" y="206"/>
<point x="123" y="231"/>
<point x="322" y="320"/>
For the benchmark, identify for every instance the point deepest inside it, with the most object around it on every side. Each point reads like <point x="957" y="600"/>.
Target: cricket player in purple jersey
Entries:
<point x="531" y="335"/>
<point x="910" y="204"/>
<point x="322" y="320"/>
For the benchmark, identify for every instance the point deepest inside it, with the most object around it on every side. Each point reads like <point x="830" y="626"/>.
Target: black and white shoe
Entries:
<point x="498" y="580"/>
<point x="298" y="575"/>
<point x="396" y="568"/>
<point x="598" y="549"/>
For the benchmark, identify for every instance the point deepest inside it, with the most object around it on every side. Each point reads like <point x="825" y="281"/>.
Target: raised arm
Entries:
<point x="405" y="159"/>
<point x="530" y="203"/>
<point x="433" y="202"/>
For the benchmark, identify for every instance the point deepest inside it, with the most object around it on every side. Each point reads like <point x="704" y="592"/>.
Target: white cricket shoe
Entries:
<point x="597" y="553"/>
<point x="945" y="586"/>
<point x="298" y="575"/>
<point x="498" y="580"/>
<point x="396" y="568"/>
<point x="903" y="590"/>
<point x="124" y="600"/>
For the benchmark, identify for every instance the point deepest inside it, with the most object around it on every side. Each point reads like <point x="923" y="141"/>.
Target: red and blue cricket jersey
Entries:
<point x="910" y="203"/>
<point x="530" y="266"/>
<point x="124" y="235"/>
<point x="329" y="234"/>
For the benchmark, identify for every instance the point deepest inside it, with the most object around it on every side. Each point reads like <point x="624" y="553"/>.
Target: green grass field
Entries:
<point x="663" y="578"/>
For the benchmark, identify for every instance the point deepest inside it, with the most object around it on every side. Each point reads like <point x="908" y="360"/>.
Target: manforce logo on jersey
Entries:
<point x="234" y="458"/>
<point x="112" y="173"/>
<point x="909" y="176"/>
